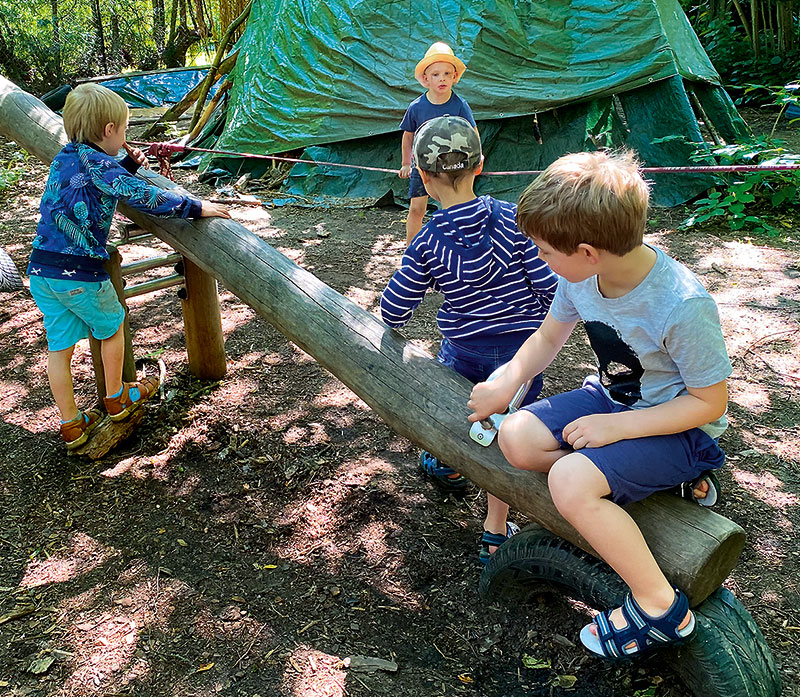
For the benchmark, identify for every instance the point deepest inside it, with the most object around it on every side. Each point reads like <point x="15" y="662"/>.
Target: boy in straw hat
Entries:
<point x="438" y="71"/>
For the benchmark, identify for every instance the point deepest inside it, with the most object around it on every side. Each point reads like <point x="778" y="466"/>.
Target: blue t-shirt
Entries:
<point x="422" y="110"/>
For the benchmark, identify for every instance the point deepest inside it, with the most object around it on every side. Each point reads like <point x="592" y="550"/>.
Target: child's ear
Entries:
<point x="590" y="253"/>
<point x="109" y="129"/>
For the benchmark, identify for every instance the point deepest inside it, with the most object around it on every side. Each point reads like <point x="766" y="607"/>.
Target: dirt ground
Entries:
<point x="256" y="531"/>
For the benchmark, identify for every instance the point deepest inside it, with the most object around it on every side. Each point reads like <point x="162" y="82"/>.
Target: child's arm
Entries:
<point x="407" y="142"/>
<point x="533" y="357"/>
<point x="113" y="179"/>
<point x="701" y="406"/>
<point x="406" y="289"/>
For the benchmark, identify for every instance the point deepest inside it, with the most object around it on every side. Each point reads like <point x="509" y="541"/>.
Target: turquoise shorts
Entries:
<point x="72" y="309"/>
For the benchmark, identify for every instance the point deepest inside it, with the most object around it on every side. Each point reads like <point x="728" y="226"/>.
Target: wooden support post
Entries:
<point x="114" y="269"/>
<point x="202" y="323"/>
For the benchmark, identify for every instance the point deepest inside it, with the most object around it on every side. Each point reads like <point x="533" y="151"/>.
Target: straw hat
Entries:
<point x="436" y="53"/>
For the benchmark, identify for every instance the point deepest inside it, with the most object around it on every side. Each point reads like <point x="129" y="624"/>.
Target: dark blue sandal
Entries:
<point x="642" y="633"/>
<point x="491" y="539"/>
<point x="440" y="474"/>
<point x="712" y="497"/>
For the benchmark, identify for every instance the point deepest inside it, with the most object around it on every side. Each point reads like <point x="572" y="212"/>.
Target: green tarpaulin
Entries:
<point x="339" y="75"/>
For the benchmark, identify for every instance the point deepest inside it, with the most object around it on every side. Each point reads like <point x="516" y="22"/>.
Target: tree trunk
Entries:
<point x="418" y="397"/>
<point x="99" y="36"/>
<point x="756" y="30"/>
<point x="159" y="25"/>
<point x="116" y="44"/>
<point x="56" y="37"/>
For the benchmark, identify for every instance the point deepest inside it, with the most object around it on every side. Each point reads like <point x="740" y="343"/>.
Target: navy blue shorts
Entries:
<point x="415" y="186"/>
<point x="476" y="363"/>
<point x="633" y="468"/>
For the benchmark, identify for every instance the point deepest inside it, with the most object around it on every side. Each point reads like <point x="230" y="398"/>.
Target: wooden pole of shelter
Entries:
<point x="223" y="46"/>
<point x="413" y="393"/>
<point x="175" y="111"/>
<point x="205" y="343"/>
<point x="114" y="269"/>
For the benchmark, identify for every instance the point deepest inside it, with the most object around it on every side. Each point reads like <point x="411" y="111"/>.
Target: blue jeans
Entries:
<point x="476" y="363"/>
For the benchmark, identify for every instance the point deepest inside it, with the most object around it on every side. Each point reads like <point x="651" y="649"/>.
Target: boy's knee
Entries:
<point x="418" y="206"/>
<point x="575" y="483"/>
<point x="522" y="438"/>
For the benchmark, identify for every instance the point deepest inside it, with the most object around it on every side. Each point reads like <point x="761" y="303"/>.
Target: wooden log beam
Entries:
<point x="414" y="394"/>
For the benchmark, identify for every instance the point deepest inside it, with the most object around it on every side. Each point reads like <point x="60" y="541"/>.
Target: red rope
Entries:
<point x="163" y="152"/>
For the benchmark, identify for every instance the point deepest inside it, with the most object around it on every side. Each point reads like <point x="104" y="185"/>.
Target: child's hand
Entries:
<point x="593" y="431"/>
<point x="405" y="172"/>
<point x="488" y="398"/>
<point x="214" y="210"/>
<point x="137" y="156"/>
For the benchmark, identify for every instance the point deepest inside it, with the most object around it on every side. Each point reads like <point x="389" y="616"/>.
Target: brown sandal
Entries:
<point x="121" y="406"/>
<point x="76" y="432"/>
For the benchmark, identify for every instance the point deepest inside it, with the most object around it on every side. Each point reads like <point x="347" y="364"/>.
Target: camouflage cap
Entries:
<point x="447" y="144"/>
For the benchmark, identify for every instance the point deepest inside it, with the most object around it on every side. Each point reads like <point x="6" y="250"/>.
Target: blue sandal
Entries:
<point x="642" y="632"/>
<point x="491" y="539"/>
<point x="440" y="474"/>
<point x="712" y="497"/>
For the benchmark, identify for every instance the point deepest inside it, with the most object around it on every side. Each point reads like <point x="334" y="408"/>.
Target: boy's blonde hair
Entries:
<point x="87" y="110"/>
<point x="594" y="198"/>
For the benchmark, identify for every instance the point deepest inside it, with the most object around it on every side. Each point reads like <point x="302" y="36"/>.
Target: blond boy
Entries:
<point x="67" y="279"/>
<point x="437" y="72"/>
<point x="652" y="417"/>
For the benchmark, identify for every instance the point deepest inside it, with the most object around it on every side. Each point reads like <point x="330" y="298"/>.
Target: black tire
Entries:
<point x="726" y="657"/>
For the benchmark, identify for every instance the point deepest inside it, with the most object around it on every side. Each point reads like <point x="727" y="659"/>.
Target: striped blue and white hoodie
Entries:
<point x="496" y="289"/>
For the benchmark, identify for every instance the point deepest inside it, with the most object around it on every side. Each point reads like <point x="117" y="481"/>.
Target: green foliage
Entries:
<point x="753" y="202"/>
<point x="11" y="172"/>
<point x="732" y="54"/>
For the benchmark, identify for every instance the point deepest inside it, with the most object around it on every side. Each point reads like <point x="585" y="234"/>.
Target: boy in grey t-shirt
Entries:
<point x="650" y="420"/>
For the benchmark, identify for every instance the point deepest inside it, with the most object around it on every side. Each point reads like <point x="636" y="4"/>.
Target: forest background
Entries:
<point x="46" y="43"/>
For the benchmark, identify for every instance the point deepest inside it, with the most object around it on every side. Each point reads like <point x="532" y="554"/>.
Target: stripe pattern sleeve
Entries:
<point x="407" y="287"/>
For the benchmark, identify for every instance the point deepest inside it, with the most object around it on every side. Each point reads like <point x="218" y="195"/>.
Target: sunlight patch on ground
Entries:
<point x="84" y="555"/>
<point x="754" y="397"/>
<point x="12" y="394"/>
<point x="384" y="259"/>
<point x="298" y="256"/>
<point x="342" y="504"/>
<point x="105" y="637"/>
<point x="766" y="487"/>
<point x="367" y="299"/>
<point x="311" y="434"/>
<point x="313" y="673"/>
<point x="279" y="422"/>
<point x="338" y="396"/>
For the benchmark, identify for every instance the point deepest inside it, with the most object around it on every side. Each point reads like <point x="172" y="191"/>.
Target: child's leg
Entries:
<point x="527" y="443"/>
<point x="579" y="490"/>
<point x="59" y="374"/>
<point x="113" y="351"/>
<point x="416" y="212"/>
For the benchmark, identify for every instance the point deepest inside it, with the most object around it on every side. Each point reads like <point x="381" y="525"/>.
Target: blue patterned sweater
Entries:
<point x="78" y="206"/>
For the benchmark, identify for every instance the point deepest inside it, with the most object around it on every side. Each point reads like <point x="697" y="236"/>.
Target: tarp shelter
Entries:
<point x="543" y="78"/>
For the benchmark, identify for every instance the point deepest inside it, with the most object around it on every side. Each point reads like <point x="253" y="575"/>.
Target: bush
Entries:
<point x="756" y="202"/>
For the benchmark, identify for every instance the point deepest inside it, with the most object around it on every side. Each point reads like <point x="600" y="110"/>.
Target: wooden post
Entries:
<point x="415" y="395"/>
<point x="114" y="269"/>
<point x="205" y="344"/>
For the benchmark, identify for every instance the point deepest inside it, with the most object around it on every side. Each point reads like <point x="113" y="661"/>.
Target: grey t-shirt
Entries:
<point x="654" y="341"/>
